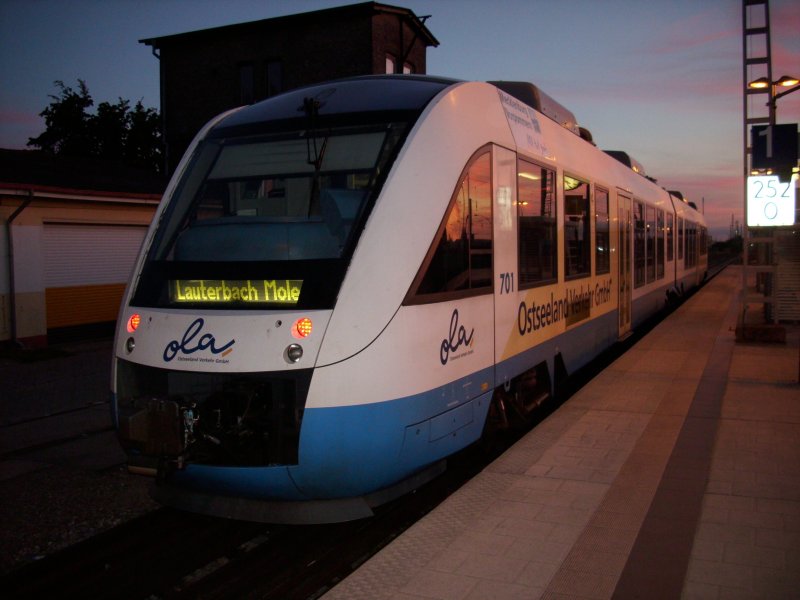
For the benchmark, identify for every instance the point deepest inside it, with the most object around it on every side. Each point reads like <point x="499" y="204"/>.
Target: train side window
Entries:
<point x="538" y="230"/>
<point x="602" y="239"/>
<point x="660" y="244"/>
<point x="651" y="243"/>
<point x="703" y="241"/>
<point x="680" y="238"/>
<point x="577" y="228"/>
<point x="691" y="245"/>
<point x="687" y="253"/>
<point x="639" y="231"/>
<point x="459" y="263"/>
<point x="670" y="237"/>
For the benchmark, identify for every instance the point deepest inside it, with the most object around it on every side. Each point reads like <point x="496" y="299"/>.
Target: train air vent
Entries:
<point x="627" y="160"/>
<point x="538" y="100"/>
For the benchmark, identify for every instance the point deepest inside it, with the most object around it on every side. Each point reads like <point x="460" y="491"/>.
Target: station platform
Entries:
<point x="675" y="473"/>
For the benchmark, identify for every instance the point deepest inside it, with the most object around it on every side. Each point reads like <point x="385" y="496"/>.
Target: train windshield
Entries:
<point x="279" y="212"/>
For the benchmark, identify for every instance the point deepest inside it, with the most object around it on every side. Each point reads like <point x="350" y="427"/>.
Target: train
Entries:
<point x="347" y="283"/>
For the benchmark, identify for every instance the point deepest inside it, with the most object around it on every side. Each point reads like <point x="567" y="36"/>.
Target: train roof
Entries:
<point x="368" y="94"/>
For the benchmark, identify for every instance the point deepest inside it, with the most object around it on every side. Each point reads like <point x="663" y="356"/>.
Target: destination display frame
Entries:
<point x="237" y="292"/>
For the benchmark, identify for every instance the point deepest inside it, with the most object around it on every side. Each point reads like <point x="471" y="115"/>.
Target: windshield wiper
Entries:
<point x="311" y="107"/>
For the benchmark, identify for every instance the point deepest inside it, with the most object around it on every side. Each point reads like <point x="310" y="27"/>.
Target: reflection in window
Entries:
<point x="601" y="234"/>
<point x="680" y="238"/>
<point x="577" y="232"/>
<point x="651" y="243"/>
<point x="536" y="210"/>
<point x="660" y="245"/>
<point x="639" y="230"/>
<point x="462" y="253"/>
<point x="670" y="237"/>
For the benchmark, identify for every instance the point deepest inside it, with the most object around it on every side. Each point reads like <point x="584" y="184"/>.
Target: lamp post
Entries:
<point x="793" y="84"/>
<point x="764" y="84"/>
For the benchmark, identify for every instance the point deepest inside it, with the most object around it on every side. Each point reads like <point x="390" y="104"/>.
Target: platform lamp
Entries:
<point x="785" y="81"/>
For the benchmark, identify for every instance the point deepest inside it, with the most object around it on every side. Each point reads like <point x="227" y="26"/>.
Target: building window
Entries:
<point x="639" y="231"/>
<point x="577" y="227"/>
<point x="274" y="78"/>
<point x="537" y="230"/>
<point x="408" y="68"/>
<point x="247" y="87"/>
<point x="459" y="262"/>
<point x="390" y="64"/>
<point x="602" y="239"/>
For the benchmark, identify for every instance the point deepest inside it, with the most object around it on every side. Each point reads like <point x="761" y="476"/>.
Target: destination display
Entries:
<point x="235" y="291"/>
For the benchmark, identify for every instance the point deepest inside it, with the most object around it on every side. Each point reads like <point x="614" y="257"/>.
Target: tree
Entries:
<point x="114" y="132"/>
<point x="67" y="123"/>
<point x="110" y="129"/>
<point x="143" y="147"/>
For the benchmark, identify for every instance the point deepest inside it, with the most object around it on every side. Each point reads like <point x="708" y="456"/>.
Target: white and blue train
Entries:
<point x="347" y="283"/>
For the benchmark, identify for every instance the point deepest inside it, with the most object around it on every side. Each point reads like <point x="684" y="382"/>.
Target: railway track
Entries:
<point x="172" y="554"/>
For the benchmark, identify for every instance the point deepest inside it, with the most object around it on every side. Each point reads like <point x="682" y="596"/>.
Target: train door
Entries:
<point x="506" y="284"/>
<point x="625" y="264"/>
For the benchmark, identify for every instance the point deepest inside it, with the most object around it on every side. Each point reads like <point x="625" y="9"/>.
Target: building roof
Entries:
<point x="34" y="169"/>
<point x="416" y="22"/>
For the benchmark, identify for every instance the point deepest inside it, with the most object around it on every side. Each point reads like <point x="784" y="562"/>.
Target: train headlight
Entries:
<point x="294" y="352"/>
<point x="133" y="323"/>
<point x="302" y="328"/>
<point x="130" y="344"/>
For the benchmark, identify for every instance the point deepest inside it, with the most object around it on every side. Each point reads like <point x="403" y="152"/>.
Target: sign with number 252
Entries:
<point x="770" y="202"/>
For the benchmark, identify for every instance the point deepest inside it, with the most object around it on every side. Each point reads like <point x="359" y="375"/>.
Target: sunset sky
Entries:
<point x="660" y="79"/>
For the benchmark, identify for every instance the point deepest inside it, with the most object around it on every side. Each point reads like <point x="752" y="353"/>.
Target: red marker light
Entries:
<point x="133" y="322"/>
<point x="302" y="328"/>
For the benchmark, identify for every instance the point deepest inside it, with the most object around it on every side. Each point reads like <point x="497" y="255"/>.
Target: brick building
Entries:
<point x="204" y="73"/>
